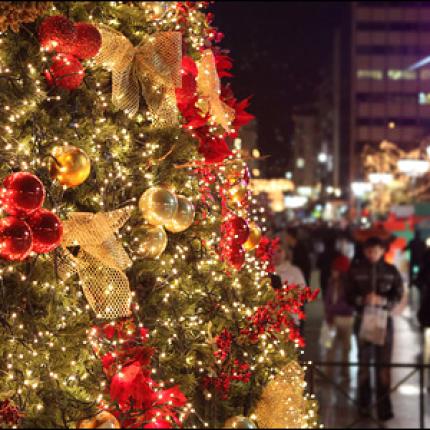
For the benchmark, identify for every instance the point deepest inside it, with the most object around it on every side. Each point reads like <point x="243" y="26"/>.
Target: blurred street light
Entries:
<point x="295" y="201"/>
<point x="361" y="188"/>
<point x="413" y="167"/>
<point x="322" y="157"/>
<point x="300" y="163"/>
<point x="256" y="153"/>
<point x="381" y="178"/>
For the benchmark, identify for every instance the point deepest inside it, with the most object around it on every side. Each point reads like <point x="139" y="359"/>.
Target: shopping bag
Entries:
<point x="327" y="335"/>
<point x="373" y="327"/>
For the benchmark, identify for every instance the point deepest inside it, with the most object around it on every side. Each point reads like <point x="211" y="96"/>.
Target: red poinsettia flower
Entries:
<point x="214" y="149"/>
<point x="132" y="386"/>
<point x="223" y="64"/>
<point x="159" y="423"/>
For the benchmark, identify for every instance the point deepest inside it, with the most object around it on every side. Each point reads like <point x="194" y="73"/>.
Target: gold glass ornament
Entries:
<point x="155" y="9"/>
<point x="254" y="236"/>
<point x="158" y="205"/>
<point x="239" y="422"/>
<point x="234" y="171"/>
<point x="152" y="241"/>
<point x="70" y="166"/>
<point x="103" y="420"/>
<point x="183" y="217"/>
<point x="239" y="193"/>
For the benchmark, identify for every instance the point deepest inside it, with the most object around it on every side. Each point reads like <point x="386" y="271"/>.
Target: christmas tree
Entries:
<point x="135" y="287"/>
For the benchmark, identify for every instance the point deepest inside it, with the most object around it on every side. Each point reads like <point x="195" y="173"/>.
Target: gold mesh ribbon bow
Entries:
<point x="100" y="262"/>
<point x="153" y="68"/>
<point x="209" y="88"/>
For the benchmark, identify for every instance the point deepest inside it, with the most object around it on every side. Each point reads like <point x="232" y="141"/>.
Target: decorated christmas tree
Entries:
<point x="134" y="270"/>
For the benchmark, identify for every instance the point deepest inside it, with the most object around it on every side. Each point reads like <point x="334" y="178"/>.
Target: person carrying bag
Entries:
<point x="374" y="287"/>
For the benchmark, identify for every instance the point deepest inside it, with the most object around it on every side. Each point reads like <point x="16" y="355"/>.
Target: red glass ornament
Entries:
<point x="47" y="231"/>
<point x="66" y="72"/>
<point x="236" y="256"/>
<point x="236" y="230"/>
<point x="88" y="41"/>
<point x="56" y="33"/>
<point x="22" y="193"/>
<point x="15" y="239"/>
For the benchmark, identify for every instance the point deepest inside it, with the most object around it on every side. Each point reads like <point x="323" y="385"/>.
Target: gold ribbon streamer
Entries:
<point x="209" y="88"/>
<point x="152" y="68"/>
<point x="100" y="262"/>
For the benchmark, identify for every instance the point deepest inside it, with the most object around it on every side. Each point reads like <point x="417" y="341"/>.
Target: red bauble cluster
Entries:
<point x="72" y="42"/>
<point x="235" y="232"/>
<point x="28" y="227"/>
<point x="66" y="72"/>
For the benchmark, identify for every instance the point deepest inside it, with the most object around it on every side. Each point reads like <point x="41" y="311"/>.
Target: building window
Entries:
<point x="396" y="74"/>
<point x="370" y="74"/>
<point x="393" y="26"/>
<point x="425" y="75"/>
<point x="387" y="97"/>
<point x="392" y="50"/>
<point x="424" y="98"/>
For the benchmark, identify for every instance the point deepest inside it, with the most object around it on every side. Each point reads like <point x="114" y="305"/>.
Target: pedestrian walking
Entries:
<point x="374" y="287"/>
<point x="423" y="314"/>
<point x="339" y="314"/>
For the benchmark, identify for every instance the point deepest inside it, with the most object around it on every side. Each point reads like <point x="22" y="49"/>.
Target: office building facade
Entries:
<point x="388" y="100"/>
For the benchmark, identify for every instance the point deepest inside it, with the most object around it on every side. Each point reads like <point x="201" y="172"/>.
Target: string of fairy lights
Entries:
<point x="23" y="350"/>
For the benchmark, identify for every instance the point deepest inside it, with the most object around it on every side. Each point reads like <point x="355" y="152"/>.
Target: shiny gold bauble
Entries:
<point x="254" y="236"/>
<point x="151" y="241"/>
<point x="239" y="422"/>
<point x="158" y="205"/>
<point x="234" y="171"/>
<point x="155" y="9"/>
<point x="239" y="193"/>
<point x="183" y="217"/>
<point x="103" y="420"/>
<point x="71" y="166"/>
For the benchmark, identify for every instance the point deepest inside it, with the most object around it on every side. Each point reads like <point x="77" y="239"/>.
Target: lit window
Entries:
<point x="370" y="74"/>
<point x="396" y="75"/>
<point x="425" y="74"/>
<point x="424" y="98"/>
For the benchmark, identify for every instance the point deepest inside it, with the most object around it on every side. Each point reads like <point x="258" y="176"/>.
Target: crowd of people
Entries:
<point x="359" y="290"/>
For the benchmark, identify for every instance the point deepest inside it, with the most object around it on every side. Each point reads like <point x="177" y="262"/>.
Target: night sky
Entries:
<point x="281" y="51"/>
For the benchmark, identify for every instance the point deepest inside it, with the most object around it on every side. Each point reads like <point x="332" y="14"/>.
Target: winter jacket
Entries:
<point x="381" y="278"/>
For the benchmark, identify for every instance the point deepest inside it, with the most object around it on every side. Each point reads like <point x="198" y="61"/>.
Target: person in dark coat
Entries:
<point x="423" y="314"/>
<point x="301" y="253"/>
<point x="423" y="283"/>
<point x="374" y="283"/>
<point x="417" y="248"/>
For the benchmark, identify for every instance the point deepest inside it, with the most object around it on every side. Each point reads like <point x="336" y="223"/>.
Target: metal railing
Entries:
<point x="314" y="369"/>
